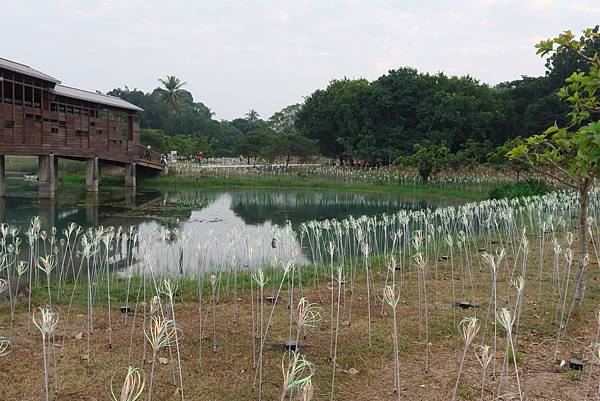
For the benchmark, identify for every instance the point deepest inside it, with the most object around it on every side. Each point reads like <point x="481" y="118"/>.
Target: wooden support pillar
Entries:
<point x="130" y="175"/>
<point x="47" y="177"/>
<point x="2" y="176"/>
<point x="92" y="175"/>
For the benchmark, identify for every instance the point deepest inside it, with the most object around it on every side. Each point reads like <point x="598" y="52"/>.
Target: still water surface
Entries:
<point x="236" y="224"/>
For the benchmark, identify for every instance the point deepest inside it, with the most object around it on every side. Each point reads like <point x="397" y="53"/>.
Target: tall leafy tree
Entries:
<point x="288" y="145"/>
<point x="252" y="116"/>
<point x="428" y="159"/>
<point x="171" y="91"/>
<point x="335" y="116"/>
<point x="284" y="121"/>
<point x="252" y="144"/>
<point x="570" y="154"/>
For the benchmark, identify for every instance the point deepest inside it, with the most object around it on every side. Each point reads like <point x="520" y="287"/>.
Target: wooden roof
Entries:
<point x="26" y="70"/>
<point x="94" y="97"/>
<point x="66" y="91"/>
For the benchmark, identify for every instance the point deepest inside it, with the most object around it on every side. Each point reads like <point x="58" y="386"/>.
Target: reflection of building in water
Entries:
<point x="47" y="213"/>
<point x="91" y="208"/>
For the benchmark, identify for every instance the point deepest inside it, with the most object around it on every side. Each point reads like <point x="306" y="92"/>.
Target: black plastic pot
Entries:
<point x="465" y="305"/>
<point x="290" y="346"/>
<point x="576" y="364"/>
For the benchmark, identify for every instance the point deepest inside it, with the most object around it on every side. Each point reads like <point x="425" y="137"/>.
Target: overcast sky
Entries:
<point x="238" y="55"/>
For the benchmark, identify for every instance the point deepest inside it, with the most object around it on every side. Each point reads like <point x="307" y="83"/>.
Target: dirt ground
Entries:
<point x="363" y="373"/>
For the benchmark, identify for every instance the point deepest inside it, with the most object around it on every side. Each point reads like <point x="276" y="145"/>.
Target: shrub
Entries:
<point x="517" y="189"/>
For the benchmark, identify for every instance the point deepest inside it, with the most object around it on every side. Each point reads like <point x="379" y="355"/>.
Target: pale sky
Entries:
<point x="236" y="55"/>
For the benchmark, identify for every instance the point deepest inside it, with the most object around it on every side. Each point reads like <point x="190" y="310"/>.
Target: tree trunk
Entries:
<point x="584" y="196"/>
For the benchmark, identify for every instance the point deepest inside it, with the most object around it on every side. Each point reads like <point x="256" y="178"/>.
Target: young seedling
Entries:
<point x="169" y="290"/>
<point x="339" y="271"/>
<point x="296" y="373"/>
<point x="46" y="325"/>
<point x="160" y="333"/>
<point x="22" y="268"/>
<point x="390" y="298"/>
<point x="506" y="319"/>
<point x="484" y="358"/>
<point x="46" y="264"/>
<point x="366" y="251"/>
<point x="470" y="327"/>
<point x="4" y="346"/>
<point x="132" y="387"/>
<point x="259" y="278"/>
<point x="307" y="315"/>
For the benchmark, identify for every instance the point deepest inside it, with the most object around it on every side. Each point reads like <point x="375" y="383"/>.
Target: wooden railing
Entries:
<point x="149" y="154"/>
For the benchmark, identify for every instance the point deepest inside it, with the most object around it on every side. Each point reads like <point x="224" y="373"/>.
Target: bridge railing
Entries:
<point x="149" y="154"/>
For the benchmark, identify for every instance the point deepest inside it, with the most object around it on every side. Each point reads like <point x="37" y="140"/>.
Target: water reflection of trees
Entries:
<point x="278" y="207"/>
<point x="196" y="199"/>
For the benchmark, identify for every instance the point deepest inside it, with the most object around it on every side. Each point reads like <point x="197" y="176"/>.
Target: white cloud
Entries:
<point x="540" y="3"/>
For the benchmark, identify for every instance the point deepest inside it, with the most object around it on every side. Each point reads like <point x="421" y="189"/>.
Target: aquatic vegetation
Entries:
<point x="482" y="178"/>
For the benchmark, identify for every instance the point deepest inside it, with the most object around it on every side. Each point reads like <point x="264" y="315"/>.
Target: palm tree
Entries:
<point x="172" y="90"/>
<point x="252" y="115"/>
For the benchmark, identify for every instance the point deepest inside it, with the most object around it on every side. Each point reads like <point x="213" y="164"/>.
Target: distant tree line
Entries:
<point x="404" y="116"/>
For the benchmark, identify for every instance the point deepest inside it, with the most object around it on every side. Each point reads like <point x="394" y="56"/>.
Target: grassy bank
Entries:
<point x="72" y="172"/>
<point x="106" y="180"/>
<point x="303" y="183"/>
<point x="29" y="164"/>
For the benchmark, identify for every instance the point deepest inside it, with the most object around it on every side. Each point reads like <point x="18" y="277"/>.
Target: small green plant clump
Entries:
<point x="518" y="357"/>
<point x="573" y="375"/>
<point x="511" y="190"/>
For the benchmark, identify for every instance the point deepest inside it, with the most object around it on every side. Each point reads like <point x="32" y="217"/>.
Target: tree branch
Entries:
<point x="553" y="176"/>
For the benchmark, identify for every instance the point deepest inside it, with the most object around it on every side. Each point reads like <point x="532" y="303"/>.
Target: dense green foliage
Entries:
<point x="569" y="152"/>
<point x="511" y="190"/>
<point x="384" y="119"/>
<point x="189" y="118"/>
<point x="377" y="121"/>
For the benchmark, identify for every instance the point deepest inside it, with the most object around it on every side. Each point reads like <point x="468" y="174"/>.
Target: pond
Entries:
<point x="247" y="226"/>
